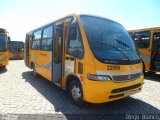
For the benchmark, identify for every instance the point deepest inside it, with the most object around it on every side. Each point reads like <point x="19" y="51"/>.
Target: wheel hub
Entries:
<point x="76" y="93"/>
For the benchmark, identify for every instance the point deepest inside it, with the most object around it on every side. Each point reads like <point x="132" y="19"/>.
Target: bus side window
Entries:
<point x="156" y="37"/>
<point x="142" y="39"/>
<point x="75" y="47"/>
<point x="58" y="46"/>
<point x="46" y="43"/>
<point x="36" y="40"/>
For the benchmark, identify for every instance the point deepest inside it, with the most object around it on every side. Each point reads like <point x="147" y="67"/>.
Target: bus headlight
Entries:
<point x="98" y="77"/>
<point x="1" y="58"/>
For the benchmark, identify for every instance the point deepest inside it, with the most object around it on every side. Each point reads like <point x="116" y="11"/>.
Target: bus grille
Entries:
<point x="126" y="88"/>
<point x="122" y="78"/>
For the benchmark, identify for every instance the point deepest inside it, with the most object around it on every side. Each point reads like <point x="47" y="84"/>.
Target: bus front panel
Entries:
<point x="113" y="68"/>
<point x="107" y="85"/>
<point x="3" y="58"/>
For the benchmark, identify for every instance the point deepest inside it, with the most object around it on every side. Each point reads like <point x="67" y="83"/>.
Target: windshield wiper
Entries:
<point x="107" y="45"/>
<point x="127" y="47"/>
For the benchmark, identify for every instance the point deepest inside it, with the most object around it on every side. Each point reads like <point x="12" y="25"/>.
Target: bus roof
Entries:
<point x="70" y="15"/>
<point x="3" y="31"/>
<point x="145" y="29"/>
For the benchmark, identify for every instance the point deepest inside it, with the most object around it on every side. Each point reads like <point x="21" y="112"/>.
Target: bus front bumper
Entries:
<point x="3" y="63"/>
<point x="105" y="91"/>
<point x="3" y="60"/>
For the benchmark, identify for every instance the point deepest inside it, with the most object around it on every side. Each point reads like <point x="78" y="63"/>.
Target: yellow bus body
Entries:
<point x="43" y="57"/>
<point x="3" y="59"/>
<point x="102" y="91"/>
<point x="16" y="50"/>
<point x="94" y="91"/>
<point x="147" y="53"/>
<point x="16" y="55"/>
<point x="4" y="55"/>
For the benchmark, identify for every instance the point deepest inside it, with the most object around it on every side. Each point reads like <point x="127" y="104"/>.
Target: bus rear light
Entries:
<point x="98" y="77"/>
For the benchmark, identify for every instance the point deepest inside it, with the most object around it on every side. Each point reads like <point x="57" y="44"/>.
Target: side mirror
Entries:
<point x="9" y="39"/>
<point x="8" y="42"/>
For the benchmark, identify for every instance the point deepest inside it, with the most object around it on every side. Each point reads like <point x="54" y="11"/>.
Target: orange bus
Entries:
<point x="148" y="43"/>
<point x="93" y="58"/>
<point x="4" y="55"/>
<point x="16" y="50"/>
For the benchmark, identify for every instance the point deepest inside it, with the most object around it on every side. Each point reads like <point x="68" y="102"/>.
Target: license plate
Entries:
<point x="130" y="93"/>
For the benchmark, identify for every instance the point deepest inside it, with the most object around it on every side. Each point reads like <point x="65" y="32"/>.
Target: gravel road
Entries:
<point x="24" y="97"/>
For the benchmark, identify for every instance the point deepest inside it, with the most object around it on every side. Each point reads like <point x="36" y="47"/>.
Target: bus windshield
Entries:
<point x="3" y="44"/>
<point x="16" y="46"/>
<point x="104" y="36"/>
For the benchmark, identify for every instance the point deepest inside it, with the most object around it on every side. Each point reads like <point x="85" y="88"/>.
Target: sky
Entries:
<point x="22" y="16"/>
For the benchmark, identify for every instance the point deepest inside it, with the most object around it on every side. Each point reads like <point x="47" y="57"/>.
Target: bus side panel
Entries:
<point x="45" y="64"/>
<point x="35" y="60"/>
<point x="146" y="57"/>
<point x="42" y="62"/>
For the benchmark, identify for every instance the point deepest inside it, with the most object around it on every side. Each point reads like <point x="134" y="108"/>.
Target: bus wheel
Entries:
<point x="76" y="93"/>
<point x="4" y="67"/>
<point x="151" y="72"/>
<point x="34" y="71"/>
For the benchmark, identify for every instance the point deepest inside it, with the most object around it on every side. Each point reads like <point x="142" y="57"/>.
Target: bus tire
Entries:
<point x="151" y="72"/>
<point x="34" y="71"/>
<point x="76" y="93"/>
<point x="4" y="67"/>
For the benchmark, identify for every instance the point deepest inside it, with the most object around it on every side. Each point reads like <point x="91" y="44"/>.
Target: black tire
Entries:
<point x="151" y="72"/>
<point x="76" y="92"/>
<point x="34" y="71"/>
<point x="4" y="67"/>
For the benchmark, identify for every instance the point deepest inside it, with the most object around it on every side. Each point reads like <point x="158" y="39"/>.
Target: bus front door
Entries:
<point x="27" y="49"/>
<point x="57" y="55"/>
<point x="155" y="61"/>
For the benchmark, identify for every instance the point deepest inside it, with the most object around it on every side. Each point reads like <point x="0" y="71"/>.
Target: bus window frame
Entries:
<point x="149" y="42"/>
<point x="80" y="35"/>
<point x="53" y="35"/>
<point x="36" y="39"/>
